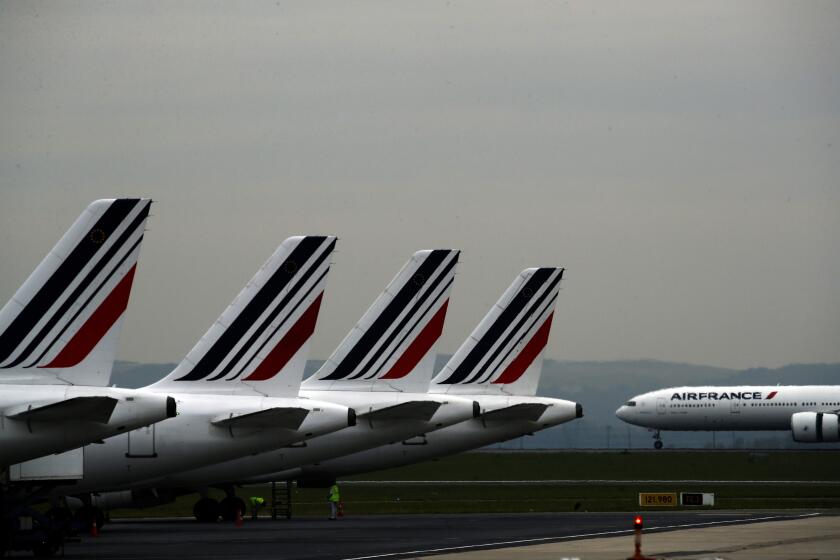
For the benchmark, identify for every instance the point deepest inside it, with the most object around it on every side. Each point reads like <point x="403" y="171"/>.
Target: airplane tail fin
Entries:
<point x="391" y="347"/>
<point x="504" y="354"/>
<point x="63" y="323"/>
<point x="260" y="344"/>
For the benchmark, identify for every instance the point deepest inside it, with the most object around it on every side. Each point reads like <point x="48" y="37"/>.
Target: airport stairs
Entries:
<point x="281" y="500"/>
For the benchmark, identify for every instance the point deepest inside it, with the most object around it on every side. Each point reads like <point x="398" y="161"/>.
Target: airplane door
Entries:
<point x="735" y="406"/>
<point x="141" y="443"/>
<point x="660" y="405"/>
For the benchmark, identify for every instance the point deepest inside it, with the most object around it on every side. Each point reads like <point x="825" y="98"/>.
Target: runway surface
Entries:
<point x="587" y="482"/>
<point x="807" y="538"/>
<point x="370" y="537"/>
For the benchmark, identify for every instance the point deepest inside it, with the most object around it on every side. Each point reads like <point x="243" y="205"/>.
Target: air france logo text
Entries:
<point x="744" y="396"/>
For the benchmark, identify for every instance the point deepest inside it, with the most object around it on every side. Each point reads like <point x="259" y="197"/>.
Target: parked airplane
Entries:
<point x="257" y="347"/>
<point x="810" y="412"/>
<point x="499" y="366"/>
<point x="58" y="340"/>
<point x="381" y="369"/>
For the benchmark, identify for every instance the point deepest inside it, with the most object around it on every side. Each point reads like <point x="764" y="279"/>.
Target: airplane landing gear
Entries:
<point x="206" y="510"/>
<point x="24" y="528"/>
<point x="230" y="505"/>
<point x="657" y="440"/>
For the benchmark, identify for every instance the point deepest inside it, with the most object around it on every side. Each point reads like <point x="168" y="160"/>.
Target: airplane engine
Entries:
<point x="814" y="427"/>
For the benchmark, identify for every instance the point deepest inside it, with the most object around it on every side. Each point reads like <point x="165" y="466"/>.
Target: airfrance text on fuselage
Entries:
<point x="746" y="396"/>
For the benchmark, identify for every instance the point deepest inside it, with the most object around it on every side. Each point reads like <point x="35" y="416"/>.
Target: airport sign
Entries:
<point x="658" y="499"/>
<point x="697" y="499"/>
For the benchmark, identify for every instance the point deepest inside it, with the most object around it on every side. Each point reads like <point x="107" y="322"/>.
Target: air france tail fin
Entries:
<point x="62" y="325"/>
<point x="391" y="347"/>
<point x="504" y="354"/>
<point x="260" y="344"/>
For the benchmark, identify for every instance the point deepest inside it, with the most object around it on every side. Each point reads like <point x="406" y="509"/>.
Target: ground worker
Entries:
<point x="333" y="498"/>
<point x="256" y="504"/>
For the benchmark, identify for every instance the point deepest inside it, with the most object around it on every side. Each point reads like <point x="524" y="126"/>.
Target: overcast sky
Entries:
<point x="681" y="159"/>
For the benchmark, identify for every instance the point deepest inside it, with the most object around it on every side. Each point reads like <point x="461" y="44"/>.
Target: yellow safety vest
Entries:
<point x="334" y="495"/>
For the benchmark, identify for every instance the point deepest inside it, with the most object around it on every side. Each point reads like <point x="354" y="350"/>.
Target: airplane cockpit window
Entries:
<point x="630" y="403"/>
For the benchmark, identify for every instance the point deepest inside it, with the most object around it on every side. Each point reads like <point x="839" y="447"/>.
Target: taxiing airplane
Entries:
<point x="810" y="412"/>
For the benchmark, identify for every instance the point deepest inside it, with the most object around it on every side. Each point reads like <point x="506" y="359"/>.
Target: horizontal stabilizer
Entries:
<point x="530" y="412"/>
<point x="412" y="410"/>
<point x="84" y="409"/>
<point x="287" y="417"/>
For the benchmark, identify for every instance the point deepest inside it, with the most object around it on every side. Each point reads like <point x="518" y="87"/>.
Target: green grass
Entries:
<point x="406" y="496"/>
<point x="667" y="465"/>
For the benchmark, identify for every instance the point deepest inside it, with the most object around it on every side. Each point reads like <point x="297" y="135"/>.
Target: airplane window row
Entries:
<point x="796" y="404"/>
<point x="704" y="405"/>
<point x="701" y="405"/>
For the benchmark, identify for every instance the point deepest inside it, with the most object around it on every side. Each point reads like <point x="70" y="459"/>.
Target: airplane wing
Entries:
<point x="411" y="410"/>
<point x="277" y="417"/>
<point x="90" y="409"/>
<point x="525" y="411"/>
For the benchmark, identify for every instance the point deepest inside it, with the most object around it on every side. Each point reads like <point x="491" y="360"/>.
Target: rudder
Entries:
<point x="260" y="342"/>
<point x="504" y="353"/>
<point x="391" y="347"/>
<point x="63" y="323"/>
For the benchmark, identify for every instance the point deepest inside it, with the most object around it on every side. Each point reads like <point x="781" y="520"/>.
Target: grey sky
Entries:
<point x="681" y="159"/>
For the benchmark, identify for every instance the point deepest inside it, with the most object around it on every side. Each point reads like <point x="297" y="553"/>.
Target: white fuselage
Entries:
<point x="463" y="436"/>
<point x="192" y="440"/>
<point x="367" y="433"/>
<point x="22" y="440"/>
<point x="728" y="408"/>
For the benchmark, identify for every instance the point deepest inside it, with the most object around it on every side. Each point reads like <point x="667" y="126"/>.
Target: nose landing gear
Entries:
<point x="657" y="440"/>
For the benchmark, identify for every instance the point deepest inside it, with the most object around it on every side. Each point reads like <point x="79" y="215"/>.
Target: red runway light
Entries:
<point x="637" y="522"/>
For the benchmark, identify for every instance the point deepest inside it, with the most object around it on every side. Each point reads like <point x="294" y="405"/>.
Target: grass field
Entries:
<point x="536" y="488"/>
<point x="647" y="465"/>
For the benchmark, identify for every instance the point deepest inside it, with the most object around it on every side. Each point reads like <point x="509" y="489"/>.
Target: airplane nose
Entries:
<point x="621" y="412"/>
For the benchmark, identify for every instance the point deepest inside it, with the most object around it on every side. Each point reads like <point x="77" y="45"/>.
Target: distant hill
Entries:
<point x="133" y="375"/>
<point x="601" y="387"/>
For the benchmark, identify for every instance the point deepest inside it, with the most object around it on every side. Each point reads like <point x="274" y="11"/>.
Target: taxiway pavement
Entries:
<point x="808" y="538"/>
<point x="376" y="537"/>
